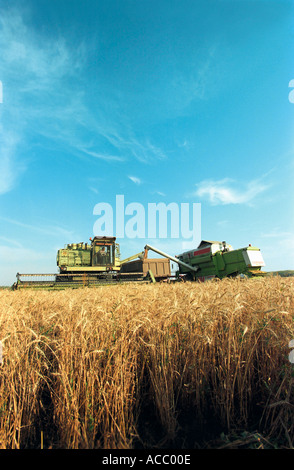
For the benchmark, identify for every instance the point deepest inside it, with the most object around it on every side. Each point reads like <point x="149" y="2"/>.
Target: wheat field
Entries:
<point x="183" y="365"/>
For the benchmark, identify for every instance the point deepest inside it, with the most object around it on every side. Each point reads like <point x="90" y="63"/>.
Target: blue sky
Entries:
<point x="159" y="101"/>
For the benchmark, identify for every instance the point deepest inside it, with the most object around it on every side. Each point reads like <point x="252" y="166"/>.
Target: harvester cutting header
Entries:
<point x="98" y="262"/>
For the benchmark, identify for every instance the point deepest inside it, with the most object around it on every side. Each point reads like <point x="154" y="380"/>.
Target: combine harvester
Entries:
<point x="214" y="259"/>
<point x="97" y="263"/>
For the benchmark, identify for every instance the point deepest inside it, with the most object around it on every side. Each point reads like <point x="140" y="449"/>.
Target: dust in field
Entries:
<point x="142" y="366"/>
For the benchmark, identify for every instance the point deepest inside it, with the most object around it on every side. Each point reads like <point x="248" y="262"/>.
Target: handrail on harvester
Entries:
<point x="176" y="260"/>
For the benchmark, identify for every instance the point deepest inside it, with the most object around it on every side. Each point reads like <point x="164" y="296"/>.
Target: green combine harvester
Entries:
<point x="98" y="262"/>
<point x="213" y="259"/>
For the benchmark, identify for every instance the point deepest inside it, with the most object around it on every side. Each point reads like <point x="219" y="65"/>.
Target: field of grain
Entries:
<point x="148" y="366"/>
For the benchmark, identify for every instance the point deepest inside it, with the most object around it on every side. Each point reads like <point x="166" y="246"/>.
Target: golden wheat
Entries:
<point x="94" y="368"/>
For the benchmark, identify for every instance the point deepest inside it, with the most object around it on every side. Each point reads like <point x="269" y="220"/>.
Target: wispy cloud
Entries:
<point x="135" y="180"/>
<point x="27" y="68"/>
<point x="278" y="233"/>
<point x="159" y="193"/>
<point x="228" y="191"/>
<point x="185" y="144"/>
<point x="121" y="138"/>
<point x="94" y="190"/>
<point x="52" y="230"/>
<point x="196" y="82"/>
<point x="11" y="243"/>
<point x="44" y="95"/>
<point x="101" y="156"/>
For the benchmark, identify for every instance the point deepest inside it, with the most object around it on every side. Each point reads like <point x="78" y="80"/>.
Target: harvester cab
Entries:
<point x="105" y="251"/>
